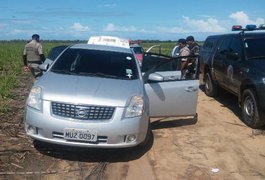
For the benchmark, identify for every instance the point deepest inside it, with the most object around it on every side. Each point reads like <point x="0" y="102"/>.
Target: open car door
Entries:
<point x="169" y="93"/>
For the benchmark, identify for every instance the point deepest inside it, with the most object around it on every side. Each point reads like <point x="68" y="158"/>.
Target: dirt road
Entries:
<point x="215" y="146"/>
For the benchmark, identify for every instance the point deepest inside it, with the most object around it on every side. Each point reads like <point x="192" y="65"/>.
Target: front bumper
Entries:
<point x="113" y="133"/>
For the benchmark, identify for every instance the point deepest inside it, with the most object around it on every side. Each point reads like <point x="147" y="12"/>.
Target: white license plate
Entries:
<point x="80" y="135"/>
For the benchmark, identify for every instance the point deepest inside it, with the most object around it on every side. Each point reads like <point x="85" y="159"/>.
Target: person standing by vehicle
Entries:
<point x="194" y="50"/>
<point x="183" y="51"/>
<point x="33" y="56"/>
<point x="192" y="45"/>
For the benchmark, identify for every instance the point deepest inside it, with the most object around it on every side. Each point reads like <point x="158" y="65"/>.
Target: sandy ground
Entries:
<point x="216" y="145"/>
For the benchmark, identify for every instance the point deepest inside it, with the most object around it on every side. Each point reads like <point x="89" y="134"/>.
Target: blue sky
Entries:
<point x="137" y="19"/>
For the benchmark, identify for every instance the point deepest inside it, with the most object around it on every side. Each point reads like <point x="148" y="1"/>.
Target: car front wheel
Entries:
<point x="210" y="86"/>
<point x="250" y="110"/>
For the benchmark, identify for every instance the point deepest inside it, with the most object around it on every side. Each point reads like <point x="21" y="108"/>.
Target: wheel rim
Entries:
<point x="249" y="107"/>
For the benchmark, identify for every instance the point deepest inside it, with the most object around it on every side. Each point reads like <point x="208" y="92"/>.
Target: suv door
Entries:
<point x="232" y="65"/>
<point x="219" y="59"/>
<point x="171" y="96"/>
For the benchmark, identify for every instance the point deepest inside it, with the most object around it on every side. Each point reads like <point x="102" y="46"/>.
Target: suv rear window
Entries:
<point x="209" y="44"/>
<point x="97" y="63"/>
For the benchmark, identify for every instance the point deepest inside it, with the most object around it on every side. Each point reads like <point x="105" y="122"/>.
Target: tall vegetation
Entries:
<point x="11" y="67"/>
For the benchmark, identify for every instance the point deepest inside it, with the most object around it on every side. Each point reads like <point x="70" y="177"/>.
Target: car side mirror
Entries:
<point x="44" y="67"/>
<point x="155" y="77"/>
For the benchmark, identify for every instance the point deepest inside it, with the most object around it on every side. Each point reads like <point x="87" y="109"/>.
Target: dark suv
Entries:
<point x="236" y="63"/>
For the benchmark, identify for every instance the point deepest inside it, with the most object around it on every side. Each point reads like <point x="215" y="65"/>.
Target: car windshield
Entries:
<point x="54" y="53"/>
<point x="105" y="64"/>
<point x="255" y="48"/>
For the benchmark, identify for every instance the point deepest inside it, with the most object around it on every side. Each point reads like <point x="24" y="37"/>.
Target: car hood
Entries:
<point x="88" y="90"/>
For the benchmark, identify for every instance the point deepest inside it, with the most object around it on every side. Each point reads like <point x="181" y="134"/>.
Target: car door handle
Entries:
<point x="191" y="89"/>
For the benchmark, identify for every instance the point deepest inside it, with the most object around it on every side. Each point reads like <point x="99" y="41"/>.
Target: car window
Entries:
<point x="97" y="63"/>
<point x="209" y="44"/>
<point x="152" y="60"/>
<point x="162" y="63"/>
<point x="137" y="50"/>
<point x="55" y="52"/>
<point x="255" y="48"/>
<point x="225" y="45"/>
<point x="235" y="46"/>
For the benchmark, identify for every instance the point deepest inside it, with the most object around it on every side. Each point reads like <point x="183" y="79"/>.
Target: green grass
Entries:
<point x="11" y="67"/>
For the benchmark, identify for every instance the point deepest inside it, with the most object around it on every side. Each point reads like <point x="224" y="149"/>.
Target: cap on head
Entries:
<point x="35" y="36"/>
<point x="190" y="38"/>
<point x="182" y="41"/>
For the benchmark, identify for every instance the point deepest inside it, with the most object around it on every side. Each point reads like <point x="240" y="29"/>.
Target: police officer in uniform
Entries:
<point x="33" y="56"/>
<point x="194" y="50"/>
<point x="183" y="51"/>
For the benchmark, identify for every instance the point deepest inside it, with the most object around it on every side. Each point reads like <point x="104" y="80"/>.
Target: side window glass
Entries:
<point x="208" y="45"/>
<point x="152" y="60"/>
<point x="235" y="46"/>
<point x="170" y="68"/>
<point x="224" y="48"/>
<point x="54" y="53"/>
<point x="255" y="48"/>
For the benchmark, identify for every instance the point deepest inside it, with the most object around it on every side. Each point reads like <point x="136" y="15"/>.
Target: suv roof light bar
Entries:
<point x="249" y="27"/>
<point x="236" y="28"/>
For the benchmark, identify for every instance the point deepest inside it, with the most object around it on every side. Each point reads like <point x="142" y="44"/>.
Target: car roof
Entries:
<point x="245" y="34"/>
<point x="102" y="48"/>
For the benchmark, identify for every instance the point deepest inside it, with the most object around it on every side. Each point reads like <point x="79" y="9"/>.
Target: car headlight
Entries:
<point x="34" y="99"/>
<point x="263" y="80"/>
<point x="135" y="107"/>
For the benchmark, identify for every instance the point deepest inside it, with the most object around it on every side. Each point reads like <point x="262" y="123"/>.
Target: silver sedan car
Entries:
<point x="99" y="96"/>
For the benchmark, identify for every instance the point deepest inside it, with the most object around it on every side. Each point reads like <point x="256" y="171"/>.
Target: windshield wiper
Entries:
<point x="101" y="75"/>
<point x="257" y="57"/>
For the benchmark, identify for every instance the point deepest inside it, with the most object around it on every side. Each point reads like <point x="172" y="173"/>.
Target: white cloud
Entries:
<point x="79" y="27"/>
<point x="111" y="28"/>
<point x="241" y="18"/>
<point x="107" y="5"/>
<point x="200" y="25"/>
<point x="19" y="32"/>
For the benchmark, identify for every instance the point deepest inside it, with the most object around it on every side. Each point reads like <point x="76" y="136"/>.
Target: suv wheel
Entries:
<point x="210" y="86"/>
<point x="251" y="116"/>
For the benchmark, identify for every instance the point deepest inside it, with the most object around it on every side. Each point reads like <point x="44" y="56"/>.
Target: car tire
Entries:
<point x="211" y="88"/>
<point x="251" y="115"/>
